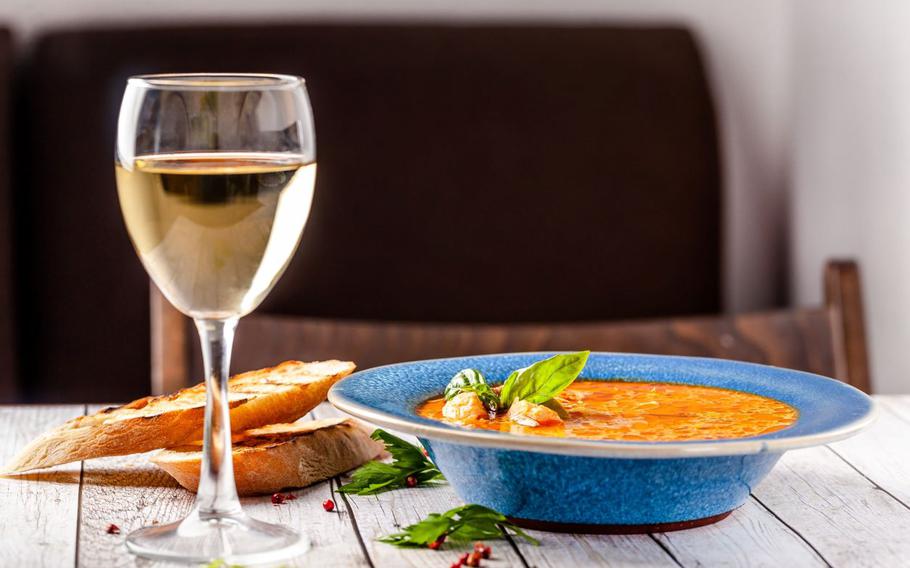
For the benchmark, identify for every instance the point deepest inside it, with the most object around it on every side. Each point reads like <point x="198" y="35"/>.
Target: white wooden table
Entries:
<point x="847" y="504"/>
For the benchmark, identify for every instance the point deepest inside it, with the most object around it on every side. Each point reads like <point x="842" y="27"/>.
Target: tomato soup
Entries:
<point x="653" y="412"/>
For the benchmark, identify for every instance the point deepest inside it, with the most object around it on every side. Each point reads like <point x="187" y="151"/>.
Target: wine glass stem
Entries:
<point x="217" y="494"/>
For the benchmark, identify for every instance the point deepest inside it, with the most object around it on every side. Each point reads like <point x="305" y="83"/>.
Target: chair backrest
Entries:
<point x="8" y="383"/>
<point x="829" y="340"/>
<point x="467" y="173"/>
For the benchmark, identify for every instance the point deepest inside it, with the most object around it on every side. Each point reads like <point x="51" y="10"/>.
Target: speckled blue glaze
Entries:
<point x="599" y="491"/>
<point x="605" y="482"/>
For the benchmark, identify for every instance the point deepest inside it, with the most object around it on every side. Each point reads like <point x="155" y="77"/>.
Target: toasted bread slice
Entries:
<point x="279" y="394"/>
<point x="280" y="456"/>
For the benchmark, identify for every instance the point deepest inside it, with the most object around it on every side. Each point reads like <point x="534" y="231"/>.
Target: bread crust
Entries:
<point x="280" y="456"/>
<point x="277" y="394"/>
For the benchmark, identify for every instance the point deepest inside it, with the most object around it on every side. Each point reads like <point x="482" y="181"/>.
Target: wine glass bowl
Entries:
<point x="215" y="176"/>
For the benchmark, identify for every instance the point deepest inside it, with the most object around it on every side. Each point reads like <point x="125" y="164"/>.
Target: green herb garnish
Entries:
<point x="409" y="462"/>
<point x="468" y="522"/>
<point x="472" y="380"/>
<point x="543" y="380"/>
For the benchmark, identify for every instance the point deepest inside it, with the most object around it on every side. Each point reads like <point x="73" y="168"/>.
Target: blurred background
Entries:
<point x="480" y="163"/>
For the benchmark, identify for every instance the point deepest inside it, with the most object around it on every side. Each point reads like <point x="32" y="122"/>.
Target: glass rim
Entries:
<point x="216" y="81"/>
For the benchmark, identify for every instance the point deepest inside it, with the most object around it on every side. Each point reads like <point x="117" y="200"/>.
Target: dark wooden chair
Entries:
<point x="8" y="383"/>
<point x="829" y="339"/>
<point x="531" y="156"/>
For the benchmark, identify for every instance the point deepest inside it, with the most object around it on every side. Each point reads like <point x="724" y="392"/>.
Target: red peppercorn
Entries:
<point x="463" y="559"/>
<point x="478" y="546"/>
<point x="411" y="481"/>
<point x="434" y="545"/>
<point x="487" y="551"/>
<point x="113" y="529"/>
<point x="279" y="498"/>
<point x="474" y="559"/>
<point x="328" y="505"/>
<point x="455" y="565"/>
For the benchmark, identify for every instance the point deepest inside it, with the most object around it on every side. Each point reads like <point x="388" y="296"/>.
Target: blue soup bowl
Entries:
<point x="606" y="486"/>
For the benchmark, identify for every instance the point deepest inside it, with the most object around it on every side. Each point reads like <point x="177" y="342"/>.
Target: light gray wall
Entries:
<point x="851" y="163"/>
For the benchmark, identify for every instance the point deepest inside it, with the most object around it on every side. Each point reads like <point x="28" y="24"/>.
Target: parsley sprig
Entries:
<point x="408" y="462"/>
<point x="468" y="522"/>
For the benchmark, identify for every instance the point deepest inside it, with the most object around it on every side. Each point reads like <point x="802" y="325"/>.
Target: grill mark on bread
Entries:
<point x="279" y="394"/>
<point x="280" y="456"/>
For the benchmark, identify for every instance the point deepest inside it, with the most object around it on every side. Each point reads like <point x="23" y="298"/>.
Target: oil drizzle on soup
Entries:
<point x="658" y="412"/>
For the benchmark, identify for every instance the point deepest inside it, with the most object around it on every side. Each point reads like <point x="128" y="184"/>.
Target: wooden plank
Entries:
<point x="882" y="453"/>
<point x="751" y="536"/>
<point x="131" y="493"/>
<point x="39" y="510"/>
<point x="612" y="551"/>
<point x="847" y="519"/>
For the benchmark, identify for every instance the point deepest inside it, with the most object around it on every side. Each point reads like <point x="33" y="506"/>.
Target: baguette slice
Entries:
<point x="279" y="456"/>
<point x="278" y="394"/>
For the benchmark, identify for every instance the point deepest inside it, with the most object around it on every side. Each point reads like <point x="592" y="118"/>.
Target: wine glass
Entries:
<point x="215" y="176"/>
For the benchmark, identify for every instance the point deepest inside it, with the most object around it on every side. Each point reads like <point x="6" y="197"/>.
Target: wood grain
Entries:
<point x="848" y="520"/>
<point x="843" y="298"/>
<point x="882" y="452"/>
<point x="612" y="551"/>
<point x="39" y="511"/>
<point x="751" y="536"/>
<point x="171" y="344"/>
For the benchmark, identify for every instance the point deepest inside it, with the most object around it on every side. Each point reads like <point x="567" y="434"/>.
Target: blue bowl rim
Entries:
<point x="340" y="396"/>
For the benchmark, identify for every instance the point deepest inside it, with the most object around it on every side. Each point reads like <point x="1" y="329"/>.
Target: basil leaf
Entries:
<point x="554" y="405"/>
<point x="463" y="380"/>
<point x="543" y="380"/>
<point x="472" y="380"/>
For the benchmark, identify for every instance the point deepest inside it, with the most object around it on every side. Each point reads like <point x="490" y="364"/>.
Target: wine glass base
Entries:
<point x="235" y="539"/>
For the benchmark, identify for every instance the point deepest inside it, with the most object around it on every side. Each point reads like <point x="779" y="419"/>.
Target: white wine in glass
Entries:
<point x="215" y="175"/>
<point x="215" y="230"/>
